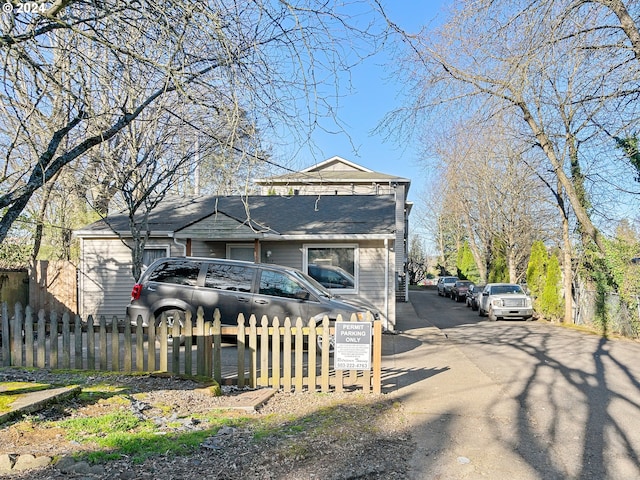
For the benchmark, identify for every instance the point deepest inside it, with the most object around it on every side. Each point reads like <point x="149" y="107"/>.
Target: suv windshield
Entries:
<point x="316" y="286"/>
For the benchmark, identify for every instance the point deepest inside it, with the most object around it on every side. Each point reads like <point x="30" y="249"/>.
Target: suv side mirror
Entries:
<point x="301" y="295"/>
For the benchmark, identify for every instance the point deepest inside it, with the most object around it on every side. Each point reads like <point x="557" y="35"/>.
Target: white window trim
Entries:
<point x="356" y="262"/>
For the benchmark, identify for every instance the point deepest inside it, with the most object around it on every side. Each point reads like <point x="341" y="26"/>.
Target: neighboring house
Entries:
<point x="357" y="233"/>
<point x="337" y="176"/>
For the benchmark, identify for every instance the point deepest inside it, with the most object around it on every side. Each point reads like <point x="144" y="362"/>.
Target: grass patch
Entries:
<point x="121" y="433"/>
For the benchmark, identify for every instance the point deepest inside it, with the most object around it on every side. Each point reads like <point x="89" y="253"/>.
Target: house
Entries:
<point x="357" y="232"/>
<point x="337" y="176"/>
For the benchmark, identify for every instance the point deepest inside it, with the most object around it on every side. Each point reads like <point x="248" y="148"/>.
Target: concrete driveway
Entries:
<point x="512" y="400"/>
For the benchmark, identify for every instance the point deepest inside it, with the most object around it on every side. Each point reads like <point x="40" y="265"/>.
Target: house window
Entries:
<point x="150" y="255"/>
<point x="241" y="251"/>
<point x="334" y="266"/>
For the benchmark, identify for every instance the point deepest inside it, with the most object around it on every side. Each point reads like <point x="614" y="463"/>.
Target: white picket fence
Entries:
<point x="280" y="355"/>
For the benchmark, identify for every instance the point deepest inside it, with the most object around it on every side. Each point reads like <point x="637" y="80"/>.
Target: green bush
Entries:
<point x="550" y="302"/>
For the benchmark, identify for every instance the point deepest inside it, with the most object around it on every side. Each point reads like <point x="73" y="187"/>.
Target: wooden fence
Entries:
<point x="280" y="356"/>
<point x="53" y="286"/>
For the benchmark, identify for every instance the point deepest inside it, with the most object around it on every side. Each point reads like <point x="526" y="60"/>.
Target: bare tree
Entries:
<point x="494" y="193"/>
<point x="493" y="50"/>
<point x="78" y="73"/>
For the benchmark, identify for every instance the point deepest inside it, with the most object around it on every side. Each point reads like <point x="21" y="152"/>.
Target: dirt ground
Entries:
<point x="312" y="435"/>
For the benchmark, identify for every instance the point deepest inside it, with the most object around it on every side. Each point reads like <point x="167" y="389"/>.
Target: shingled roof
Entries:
<point x="371" y="216"/>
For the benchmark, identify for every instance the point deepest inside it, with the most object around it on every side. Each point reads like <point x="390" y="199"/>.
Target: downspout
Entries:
<point x="386" y="284"/>
<point x="183" y="245"/>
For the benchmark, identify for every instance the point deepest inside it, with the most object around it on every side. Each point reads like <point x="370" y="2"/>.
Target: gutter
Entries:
<point x="183" y="245"/>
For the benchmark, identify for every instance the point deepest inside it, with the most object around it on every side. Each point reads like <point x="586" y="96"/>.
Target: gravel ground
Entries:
<point x="318" y="436"/>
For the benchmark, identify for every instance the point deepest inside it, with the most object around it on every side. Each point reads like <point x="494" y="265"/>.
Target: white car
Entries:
<point x="445" y="284"/>
<point x="504" y="300"/>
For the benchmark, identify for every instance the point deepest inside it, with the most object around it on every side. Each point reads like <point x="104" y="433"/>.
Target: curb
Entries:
<point x="34" y="401"/>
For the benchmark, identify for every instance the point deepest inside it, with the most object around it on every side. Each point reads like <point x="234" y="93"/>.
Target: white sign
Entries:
<point x="352" y="346"/>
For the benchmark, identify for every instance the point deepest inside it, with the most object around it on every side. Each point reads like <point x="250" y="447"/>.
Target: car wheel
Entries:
<point x="492" y="317"/>
<point x="332" y="343"/>
<point x="172" y="316"/>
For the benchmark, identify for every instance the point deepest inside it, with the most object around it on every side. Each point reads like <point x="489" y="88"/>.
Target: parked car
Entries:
<point x="444" y="285"/>
<point x="505" y="300"/>
<point x="175" y="285"/>
<point x="472" y="296"/>
<point x="459" y="290"/>
<point x="331" y="277"/>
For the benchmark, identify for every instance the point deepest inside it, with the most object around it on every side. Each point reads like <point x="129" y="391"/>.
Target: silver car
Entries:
<point x="445" y="284"/>
<point x="503" y="301"/>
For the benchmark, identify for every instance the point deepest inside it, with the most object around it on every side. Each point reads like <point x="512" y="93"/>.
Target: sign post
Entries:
<point x="352" y="346"/>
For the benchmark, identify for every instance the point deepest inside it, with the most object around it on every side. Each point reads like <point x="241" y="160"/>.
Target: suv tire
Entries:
<point x="172" y="315"/>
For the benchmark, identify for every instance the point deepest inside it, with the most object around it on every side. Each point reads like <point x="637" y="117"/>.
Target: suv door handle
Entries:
<point x="244" y="299"/>
<point x="262" y="302"/>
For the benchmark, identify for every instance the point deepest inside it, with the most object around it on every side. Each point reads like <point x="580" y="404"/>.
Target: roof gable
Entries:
<point x="336" y="164"/>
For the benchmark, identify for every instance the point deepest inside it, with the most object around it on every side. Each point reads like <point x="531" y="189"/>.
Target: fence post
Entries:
<point x="139" y="344"/>
<point x="66" y="341"/>
<point x="53" y="339"/>
<point x="264" y="351"/>
<point x="16" y="347"/>
<point x="253" y="352"/>
<point x="213" y="336"/>
<point x="91" y="344"/>
<point x="163" y="343"/>
<point x="286" y="344"/>
<point x="176" y="334"/>
<point x="78" y="342"/>
<point x="28" y="337"/>
<point x="377" y="357"/>
<point x="6" y="352"/>
<point x="128" y="345"/>
<point x="275" y="353"/>
<point x="115" y="345"/>
<point x="42" y="340"/>
<point x="325" y="353"/>
<point x="240" y="341"/>
<point x="299" y="347"/>
<point x="188" y="343"/>
<point x="151" y="344"/>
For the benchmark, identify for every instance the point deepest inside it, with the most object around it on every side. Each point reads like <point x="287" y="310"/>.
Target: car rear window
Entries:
<point x="180" y="272"/>
<point x="229" y="277"/>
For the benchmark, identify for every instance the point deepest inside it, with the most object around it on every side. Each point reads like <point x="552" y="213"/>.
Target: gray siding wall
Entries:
<point x="372" y="258"/>
<point x="328" y="189"/>
<point x="106" y="280"/>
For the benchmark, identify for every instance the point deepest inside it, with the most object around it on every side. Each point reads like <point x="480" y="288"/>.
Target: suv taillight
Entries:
<point x="136" y="291"/>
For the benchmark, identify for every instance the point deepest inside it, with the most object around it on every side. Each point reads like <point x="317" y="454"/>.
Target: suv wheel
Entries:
<point x="332" y="343"/>
<point x="172" y="316"/>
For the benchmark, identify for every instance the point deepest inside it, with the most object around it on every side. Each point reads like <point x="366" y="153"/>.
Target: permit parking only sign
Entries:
<point x="352" y="346"/>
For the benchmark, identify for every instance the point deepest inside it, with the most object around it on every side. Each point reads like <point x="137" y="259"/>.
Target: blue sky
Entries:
<point x="374" y="95"/>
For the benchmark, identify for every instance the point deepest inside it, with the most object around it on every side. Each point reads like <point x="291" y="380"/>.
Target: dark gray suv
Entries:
<point x="178" y="284"/>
